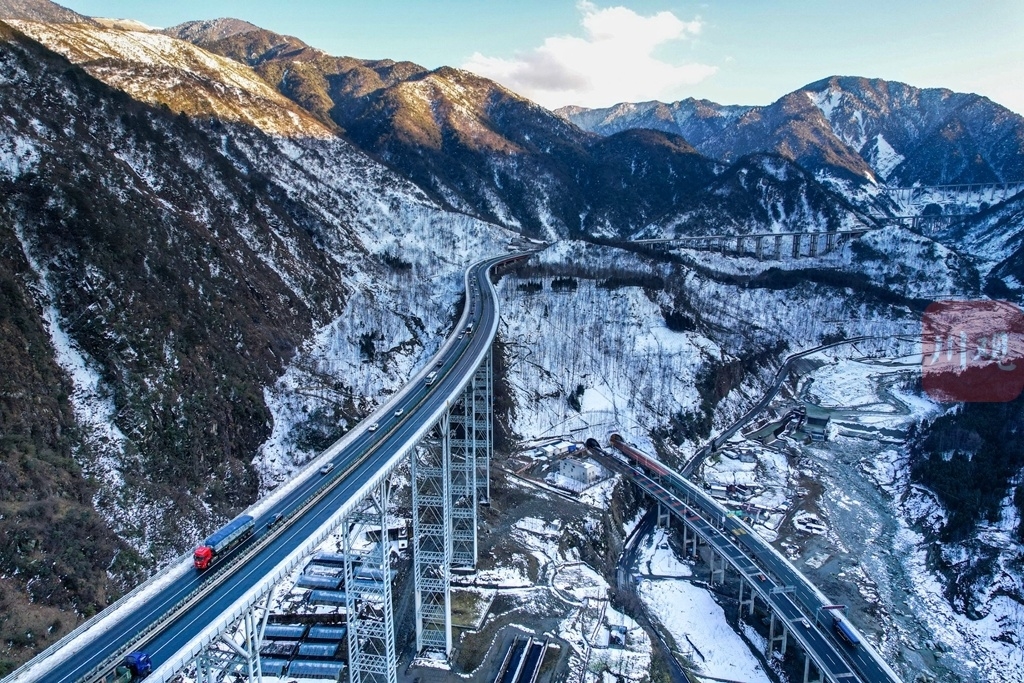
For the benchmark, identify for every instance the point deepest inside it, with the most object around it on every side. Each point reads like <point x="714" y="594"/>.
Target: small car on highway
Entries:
<point x="326" y="469"/>
<point x="399" y="412"/>
<point x="373" y="427"/>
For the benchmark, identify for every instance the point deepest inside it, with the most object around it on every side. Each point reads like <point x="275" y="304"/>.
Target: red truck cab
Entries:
<point x="203" y="557"/>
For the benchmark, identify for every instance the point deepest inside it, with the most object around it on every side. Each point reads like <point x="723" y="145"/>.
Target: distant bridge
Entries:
<point x="765" y="246"/>
<point x="992" y="193"/>
<point x="929" y="221"/>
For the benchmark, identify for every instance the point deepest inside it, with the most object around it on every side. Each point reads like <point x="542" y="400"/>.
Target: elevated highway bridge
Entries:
<point x="179" y="613"/>
<point x="797" y="609"/>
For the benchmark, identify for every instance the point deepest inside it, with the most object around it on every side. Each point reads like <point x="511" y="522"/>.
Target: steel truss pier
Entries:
<point x="368" y="604"/>
<point x="447" y="488"/>
<point x="227" y="656"/>
<point x="213" y="625"/>
<point x="470" y="443"/>
<point x="430" y="473"/>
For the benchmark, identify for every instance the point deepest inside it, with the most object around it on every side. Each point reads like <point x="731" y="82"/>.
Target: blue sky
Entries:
<point x="597" y="54"/>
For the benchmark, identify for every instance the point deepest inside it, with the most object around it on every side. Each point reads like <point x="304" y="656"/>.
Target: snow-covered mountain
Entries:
<point x="760" y="193"/>
<point x="855" y="128"/>
<point x="205" y="279"/>
<point x="157" y="69"/>
<point x="160" y="275"/>
<point x="480" y="148"/>
<point x="40" y="10"/>
<point x="693" y="119"/>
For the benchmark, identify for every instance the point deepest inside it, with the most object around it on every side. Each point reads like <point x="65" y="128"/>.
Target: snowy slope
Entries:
<point x="158" y="69"/>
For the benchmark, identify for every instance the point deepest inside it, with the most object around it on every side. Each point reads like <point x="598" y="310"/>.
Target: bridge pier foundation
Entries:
<point x="368" y="604"/>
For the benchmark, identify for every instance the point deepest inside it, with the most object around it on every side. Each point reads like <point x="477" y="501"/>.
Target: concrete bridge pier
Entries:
<point x="807" y="671"/>
<point x="814" y="239"/>
<point x="688" y="538"/>
<point x="717" y="570"/>
<point x="664" y="517"/>
<point x="759" y="247"/>
<point x="830" y="241"/>
<point x="749" y="602"/>
<point x="782" y="638"/>
<point x="778" y="248"/>
<point x="739" y="245"/>
<point x="796" y="245"/>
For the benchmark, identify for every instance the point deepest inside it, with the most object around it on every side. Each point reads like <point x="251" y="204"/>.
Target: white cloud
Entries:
<point x="614" y="61"/>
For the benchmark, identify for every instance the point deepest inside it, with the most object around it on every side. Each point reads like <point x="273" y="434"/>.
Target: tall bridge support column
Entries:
<point x="748" y="602"/>
<point x="759" y="247"/>
<point x="462" y="445"/>
<point x="371" y="614"/>
<point x="796" y="245"/>
<point x="778" y="247"/>
<point x="830" y="241"/>
<point x="226" y="656"/>
<point x="813" y="237"/>
<point x="739" y="245"/>
<point x="807" y="671"/>
<point x="483" y="425"/>
<point x="782" y="638"/>
<point x="664" y="517"/>
<point x="432" y="543"/>
<point x="688" y="537"/>
<point x="717" y="571"/>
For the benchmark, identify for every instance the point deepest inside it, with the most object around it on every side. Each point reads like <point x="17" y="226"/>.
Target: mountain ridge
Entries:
<point x="855" y="127"/>
<point x="477" y="146"/>
<point x="41" y="10"/>
<point x="160" y="70"/>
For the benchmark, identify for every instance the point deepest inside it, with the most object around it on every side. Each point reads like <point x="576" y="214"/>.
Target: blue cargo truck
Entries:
<point x="844" y="631"/>
<point x="223" y="540"/>
<point x="133" y="667"/>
